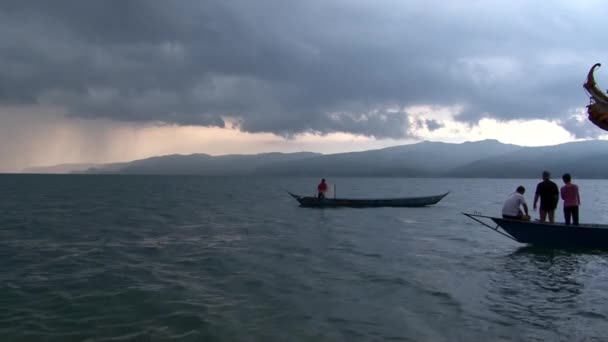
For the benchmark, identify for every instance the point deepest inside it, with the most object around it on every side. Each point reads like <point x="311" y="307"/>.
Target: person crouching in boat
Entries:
<point x="321" y="189"/>
<point x="511" y="208"/>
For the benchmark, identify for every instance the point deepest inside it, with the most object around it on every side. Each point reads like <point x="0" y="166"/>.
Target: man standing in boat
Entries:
<point x="321" y="189"/>
<point x="548" y="192"/>
<point x="511" y="209"/>
<point x="571" y="199"/>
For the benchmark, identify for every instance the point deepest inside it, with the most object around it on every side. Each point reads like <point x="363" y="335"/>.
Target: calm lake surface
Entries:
<point x="161" y="258"/>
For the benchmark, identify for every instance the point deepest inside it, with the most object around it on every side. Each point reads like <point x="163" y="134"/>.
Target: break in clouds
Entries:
<point x="302" y="66"/>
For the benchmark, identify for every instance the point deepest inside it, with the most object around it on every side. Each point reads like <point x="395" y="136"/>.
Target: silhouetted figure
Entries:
<point x="321" y="189"/>
<point x="571" y="199"/>
<point x="548" y="193"/>
<point x="511" y="209"/>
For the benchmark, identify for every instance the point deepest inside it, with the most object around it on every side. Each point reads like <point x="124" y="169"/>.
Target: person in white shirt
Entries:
<point x="511" y="209"/>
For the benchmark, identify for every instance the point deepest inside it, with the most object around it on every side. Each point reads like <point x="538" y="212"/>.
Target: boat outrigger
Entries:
<point x="367" y="203"/>
<point x="547" y="234"/>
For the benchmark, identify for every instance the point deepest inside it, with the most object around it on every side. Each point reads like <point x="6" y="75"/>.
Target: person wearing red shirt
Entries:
<point x="571" y="198"/>
<point x="322" y="189"/>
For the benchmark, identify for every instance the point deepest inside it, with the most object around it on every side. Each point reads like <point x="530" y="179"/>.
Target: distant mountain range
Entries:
<point x="483" y="159"/>
<point x="61" y="168"/>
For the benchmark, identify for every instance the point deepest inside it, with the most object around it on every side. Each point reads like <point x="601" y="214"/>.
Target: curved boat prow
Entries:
<point x="590" y="79"/>
<point x="591" y="86"/>
<point x="293" y="195"/>
<point x="440" y="197"/>
<point x="598" y="109"/>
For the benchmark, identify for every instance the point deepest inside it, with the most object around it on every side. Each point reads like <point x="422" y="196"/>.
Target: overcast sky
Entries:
<point x="96" y="81"/>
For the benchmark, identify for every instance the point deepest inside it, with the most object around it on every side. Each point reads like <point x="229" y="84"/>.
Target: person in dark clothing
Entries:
<point x="548" y="192"/>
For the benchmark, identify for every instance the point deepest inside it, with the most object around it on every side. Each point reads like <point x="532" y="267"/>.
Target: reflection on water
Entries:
<point x="542" y="291"/>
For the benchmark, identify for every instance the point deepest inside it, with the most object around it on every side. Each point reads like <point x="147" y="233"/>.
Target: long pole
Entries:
<point x="334" y="191"/>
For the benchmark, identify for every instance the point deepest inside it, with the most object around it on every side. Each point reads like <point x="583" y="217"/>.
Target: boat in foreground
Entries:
<point x="368" y="203"/>
<point x="547" y="234"/>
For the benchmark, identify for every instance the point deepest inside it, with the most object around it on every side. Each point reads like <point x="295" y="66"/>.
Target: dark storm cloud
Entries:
<point x="433" y="125"/>
<point x="581" y="128"/>
<point x="289" y="67"/>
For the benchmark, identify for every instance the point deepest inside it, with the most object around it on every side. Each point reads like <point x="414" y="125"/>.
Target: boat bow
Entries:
<point x="598" y="108"/>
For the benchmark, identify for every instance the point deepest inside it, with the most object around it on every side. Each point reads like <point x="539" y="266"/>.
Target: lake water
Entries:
<point x="160" y="258"/>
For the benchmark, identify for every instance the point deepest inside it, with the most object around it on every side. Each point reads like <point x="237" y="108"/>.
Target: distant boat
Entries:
<point x="547" y="234"/>
<point x="367" y="203"/>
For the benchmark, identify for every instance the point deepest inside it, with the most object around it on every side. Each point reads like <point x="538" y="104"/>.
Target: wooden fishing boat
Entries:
<point x="547" y="234"/>
<point x="367" y="203"/>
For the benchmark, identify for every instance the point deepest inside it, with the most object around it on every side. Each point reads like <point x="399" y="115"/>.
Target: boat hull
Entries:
<point x="546" y="234"/>
<point x="368" y="203"/>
